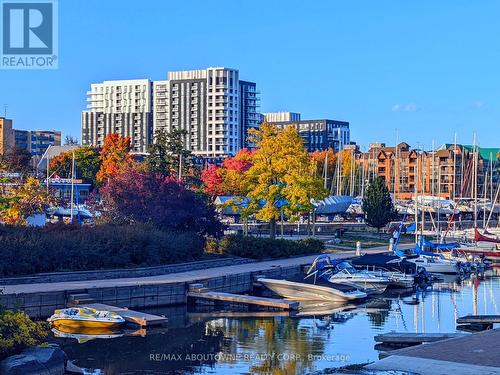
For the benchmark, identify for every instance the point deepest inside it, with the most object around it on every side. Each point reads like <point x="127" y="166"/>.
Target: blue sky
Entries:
<point x="426" y="68"/>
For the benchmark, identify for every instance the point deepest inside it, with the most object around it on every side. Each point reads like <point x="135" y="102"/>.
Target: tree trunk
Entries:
<point x="272" y="228"/>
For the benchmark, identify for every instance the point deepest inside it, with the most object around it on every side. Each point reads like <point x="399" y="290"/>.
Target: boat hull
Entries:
<point x="369" y="287"/>
<point x="74" y="324"/>
<point x="488" y="251"/>
<point x="439" y="268"/>
<point x="310" y="292"/>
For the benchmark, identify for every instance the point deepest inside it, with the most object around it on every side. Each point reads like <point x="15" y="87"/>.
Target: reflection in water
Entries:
<point x="320" y="335"/>
<point x="82" y="334"/>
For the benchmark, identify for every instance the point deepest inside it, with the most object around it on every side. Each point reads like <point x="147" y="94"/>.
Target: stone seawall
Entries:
<point x="42" y="305"/>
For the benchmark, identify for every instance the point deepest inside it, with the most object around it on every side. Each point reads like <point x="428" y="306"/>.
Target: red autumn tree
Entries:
<point x="213" y="180"/>
<point x="226" y="179"/>
<point x="115" y="157"/>
<point x="241" y="162"/>
<point x="135" y="196"/>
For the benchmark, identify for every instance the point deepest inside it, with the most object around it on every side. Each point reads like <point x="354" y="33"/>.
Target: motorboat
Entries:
<point x="388" y="266"/>
<point x="342" y="272"/>
<point x="384" y="262"/>
<point x="84" y="317"/>
<point x="321" y="290"/>
<point x="315" y="286"/>
<point x="435" y="263"/>
<point x="396" y="279"/>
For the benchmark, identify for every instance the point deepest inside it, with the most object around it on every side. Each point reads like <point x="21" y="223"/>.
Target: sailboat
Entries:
<point x="481" y="246"/>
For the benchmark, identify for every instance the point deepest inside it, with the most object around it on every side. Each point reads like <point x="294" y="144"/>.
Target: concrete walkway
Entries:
<point x="174" y="277"/>
<point x="478" y="353"/>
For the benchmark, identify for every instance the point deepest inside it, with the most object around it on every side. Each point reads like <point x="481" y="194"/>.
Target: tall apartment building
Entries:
<point x="317" y="134"/>
<point x="249" y="117"/>
<point x="123" y="107"/>
<point x="212" y="105"/>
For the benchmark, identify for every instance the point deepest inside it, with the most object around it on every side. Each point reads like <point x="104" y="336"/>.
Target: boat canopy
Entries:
<point x="334" y="204"/>
<point x="440" y="246"/>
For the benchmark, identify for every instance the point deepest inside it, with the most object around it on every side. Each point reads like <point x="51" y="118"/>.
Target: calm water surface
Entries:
<point x="321" y="336"/>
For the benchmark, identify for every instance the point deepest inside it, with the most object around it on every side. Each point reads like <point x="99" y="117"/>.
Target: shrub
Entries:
<point x="258" y="248"/>
<point x="28" y="250"/>
<point x="18" y="332"/>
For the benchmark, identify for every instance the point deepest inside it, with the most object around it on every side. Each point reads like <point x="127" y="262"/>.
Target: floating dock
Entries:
<point x="131" y="316"/>
<point x="198" y="292"/>
<point x="409" y="339"/>
<point x="477" y="354"/>
<point x="479" y="319"/>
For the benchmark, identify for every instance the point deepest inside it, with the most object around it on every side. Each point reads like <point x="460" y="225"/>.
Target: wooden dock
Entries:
<point x="131" y="316"/>
<point x="479" y="319"/>
<point x="409" y="339"/>
<point x="243" y="299"/>
<point x="477" y="353"/>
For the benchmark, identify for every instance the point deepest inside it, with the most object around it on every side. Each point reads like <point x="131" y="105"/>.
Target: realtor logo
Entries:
<point x="29" y="34"/>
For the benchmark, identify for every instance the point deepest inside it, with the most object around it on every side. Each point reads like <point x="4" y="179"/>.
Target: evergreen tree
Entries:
<point x="168" y="153"/>
<point x="377" y="204"/>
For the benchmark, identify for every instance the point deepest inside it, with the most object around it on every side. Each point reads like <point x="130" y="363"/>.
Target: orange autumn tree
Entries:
<point x="327" y="156"/>
<point x="115" y="157"/>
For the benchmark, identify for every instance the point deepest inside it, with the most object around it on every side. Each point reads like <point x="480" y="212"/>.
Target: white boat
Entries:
<point x="320" y="291"/>
<point x="398" y="279"/>
<point x="84" y="317"/>
<point x="316" y="286"/>
<point x="344" y="273"/>
<point x="435" y="263"/>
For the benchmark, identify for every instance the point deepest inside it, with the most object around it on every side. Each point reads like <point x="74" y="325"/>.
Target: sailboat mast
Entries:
<point x="485" y="186"/>
<point x="72" y="184"/>
<point x="416" y="199"/>
<point x="454" y="168"/>
<point x="325" y="170"/>
<point x="474" y="184"/>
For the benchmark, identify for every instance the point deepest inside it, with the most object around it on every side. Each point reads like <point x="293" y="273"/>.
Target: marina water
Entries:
<point x="320" y="336"/>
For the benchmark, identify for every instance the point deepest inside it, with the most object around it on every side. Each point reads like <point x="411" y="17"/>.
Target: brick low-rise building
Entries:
<point x="447" y="171"/>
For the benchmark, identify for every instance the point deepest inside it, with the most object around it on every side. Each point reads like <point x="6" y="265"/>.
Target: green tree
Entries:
<point x="87" y="163"/>
<point x="168" y="154"/>
<point x="377" y="204"/>
<point x="282" y="176"/>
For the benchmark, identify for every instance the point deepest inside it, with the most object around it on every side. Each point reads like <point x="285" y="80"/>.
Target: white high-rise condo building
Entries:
<point x="213" y="106"/>
<point x="123" y="107"/>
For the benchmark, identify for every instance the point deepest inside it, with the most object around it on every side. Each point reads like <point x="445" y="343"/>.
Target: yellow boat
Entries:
<point x="84" y="317"/>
